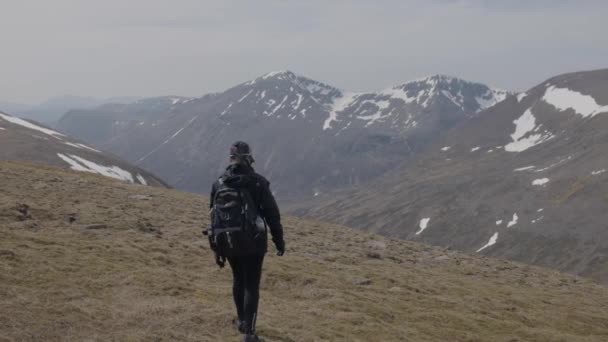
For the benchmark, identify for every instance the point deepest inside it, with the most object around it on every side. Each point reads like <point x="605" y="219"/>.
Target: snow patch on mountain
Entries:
<point x="521" y="96"/>
<point x="525" y="168"/>
<point x="27" y="124"/>
<point x="490" y="243"/>
<point x="540" y="181"/>
<point x="278" y="106"/>
<point x="167" y="140"/>
<point x="598" y="172"/>
<point x="245" y="96"/>
<point x="81" y="146"/>
<point x="537" y="219"/>
<point x="423" y="225"/>
<point x="141" y="179"/>
<point x="491" y="98"/>
<point x="275" y="74"/>
<point x="564" y="99"/>
<point x="226" y="110"/>
<point x="561" y="161"/>
<point x="526" y="133"/>
<point x="339" y="104"/>
<point x="80" y="164"/>
<point x="513" y="221"/>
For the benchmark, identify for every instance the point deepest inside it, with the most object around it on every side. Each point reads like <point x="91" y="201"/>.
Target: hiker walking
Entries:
<point x="242" y="207"/>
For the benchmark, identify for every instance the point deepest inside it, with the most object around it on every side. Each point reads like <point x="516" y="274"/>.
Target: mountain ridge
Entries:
<point x="322" y="137"/>
<point x="523" y="180"/>
<point x="29" y="141"/>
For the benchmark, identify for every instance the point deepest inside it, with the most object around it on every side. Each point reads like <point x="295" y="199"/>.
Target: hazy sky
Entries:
<point x="109" y="48"/>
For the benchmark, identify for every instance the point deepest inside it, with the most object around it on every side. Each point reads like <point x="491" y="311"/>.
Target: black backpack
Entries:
<point x="236" y="225"/>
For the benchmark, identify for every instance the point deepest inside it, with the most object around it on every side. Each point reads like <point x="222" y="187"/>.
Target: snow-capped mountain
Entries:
<point x="309" y="137"/>
<point x="399" y="107"/>
<point x="26" y="140"/>
<point x="526" y="179"/>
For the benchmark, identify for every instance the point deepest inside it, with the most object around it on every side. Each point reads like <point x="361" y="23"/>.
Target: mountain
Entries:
<point x="524" y="180"/>
<point x="28" y="141"/>
<point x="308" y="137"/>
<point x="14" y="107"/>
<point x="93" y="259"/>
<point x="51" y="110"/>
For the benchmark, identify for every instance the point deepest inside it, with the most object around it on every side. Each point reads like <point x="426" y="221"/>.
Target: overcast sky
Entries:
<point x="107" y="48"/>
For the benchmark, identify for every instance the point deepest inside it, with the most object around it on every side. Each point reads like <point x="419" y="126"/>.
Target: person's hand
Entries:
<point x="220" y="261"/>
<point x="280" y="245"/>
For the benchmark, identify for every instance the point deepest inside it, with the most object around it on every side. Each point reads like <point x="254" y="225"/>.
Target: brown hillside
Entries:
<point x="146" y="274"/>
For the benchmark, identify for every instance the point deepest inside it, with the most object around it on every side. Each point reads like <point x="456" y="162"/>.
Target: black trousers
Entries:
<point x="246" y="272"/>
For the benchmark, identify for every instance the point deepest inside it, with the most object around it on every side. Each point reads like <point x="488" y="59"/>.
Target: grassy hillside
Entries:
<point x="133" y="266"/>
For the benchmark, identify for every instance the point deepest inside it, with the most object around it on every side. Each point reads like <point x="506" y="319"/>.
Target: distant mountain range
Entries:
<point x="29" y="141"/>
<point x="526" y="179"/>
<point x="49" y="111"/>
<point x="308" y="137"/>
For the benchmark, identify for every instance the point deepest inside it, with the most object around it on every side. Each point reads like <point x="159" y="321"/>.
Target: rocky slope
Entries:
<point x="525" y="180"/>
<point x="309" y="137"/>
<point x="84" y="257"/>
<point x="28" y="141"/>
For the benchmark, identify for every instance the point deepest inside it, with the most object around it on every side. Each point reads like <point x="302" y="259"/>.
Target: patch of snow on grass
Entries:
<point x="540" y="181"/>
<point x="499" y="222"/>
<point x="598" y="172"/>
<point x="475" y="149"/>
<point x="80" y="164"/>
<point x="513" y="221"/>
<point x="141" y="179"/>
<point x="523" y="138"/>
<point x="446" y="148"/>
<point x="491" y="242"/>
<point x="423" y="224"/>
<point x="27" y="124"/>
<point x="564" y="99"/>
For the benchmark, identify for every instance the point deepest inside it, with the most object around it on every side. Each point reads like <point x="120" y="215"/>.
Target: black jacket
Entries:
<point x="244" y="176"/>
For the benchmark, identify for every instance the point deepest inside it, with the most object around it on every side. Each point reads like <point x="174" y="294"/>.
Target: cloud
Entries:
<point x="190" y="47"/>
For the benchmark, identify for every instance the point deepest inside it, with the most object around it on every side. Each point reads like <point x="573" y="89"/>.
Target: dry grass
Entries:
<point x="149" y="276"/>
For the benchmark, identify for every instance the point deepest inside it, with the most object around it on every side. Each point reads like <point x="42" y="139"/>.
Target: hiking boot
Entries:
<point x="252" y="338"/>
